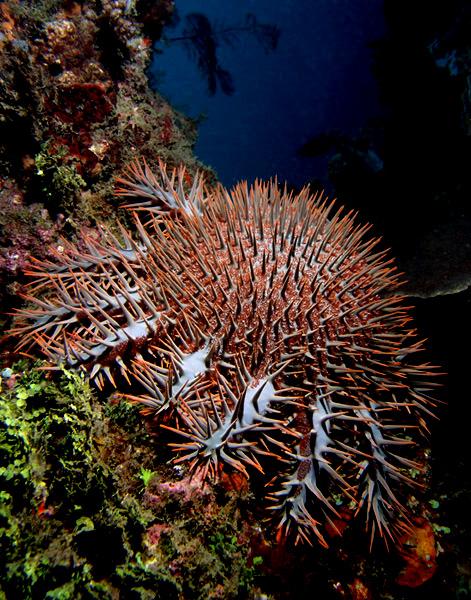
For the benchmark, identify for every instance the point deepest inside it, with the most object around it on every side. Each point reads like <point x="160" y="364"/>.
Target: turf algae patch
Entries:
<point x="75" y="518"/>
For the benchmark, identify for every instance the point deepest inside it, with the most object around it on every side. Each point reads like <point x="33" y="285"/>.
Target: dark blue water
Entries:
<point x="318" y="79"/>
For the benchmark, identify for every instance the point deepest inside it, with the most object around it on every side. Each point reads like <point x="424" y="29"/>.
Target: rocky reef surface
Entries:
<point x="75" y="107"/>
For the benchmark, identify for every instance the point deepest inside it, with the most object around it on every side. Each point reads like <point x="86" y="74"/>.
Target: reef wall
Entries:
<point x="75" y="107"/>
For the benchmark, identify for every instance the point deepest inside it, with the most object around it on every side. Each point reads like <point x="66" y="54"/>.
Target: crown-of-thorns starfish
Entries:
<point x="261" y="328"/>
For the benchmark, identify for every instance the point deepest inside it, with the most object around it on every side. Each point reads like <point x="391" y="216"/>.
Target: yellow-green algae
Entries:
<point x="73" y="515"/>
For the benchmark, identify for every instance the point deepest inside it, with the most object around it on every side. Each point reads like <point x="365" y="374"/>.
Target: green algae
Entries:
<point x="61" y="181"/>
<point x="76" y="520"/>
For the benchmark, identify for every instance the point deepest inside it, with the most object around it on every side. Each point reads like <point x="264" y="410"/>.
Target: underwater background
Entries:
<point x="368" y="100"/>
<point x="316" y="80"/>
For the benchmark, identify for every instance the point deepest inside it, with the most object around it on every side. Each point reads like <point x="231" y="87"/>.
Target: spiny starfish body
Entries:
<point x="259" y="326"/>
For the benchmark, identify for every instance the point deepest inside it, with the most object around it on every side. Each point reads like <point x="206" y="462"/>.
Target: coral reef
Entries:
<point x="261" y="327"/>
<point x="26" y="230"/>
<point x="75" y="104"/>
<point x="76" y="520"/>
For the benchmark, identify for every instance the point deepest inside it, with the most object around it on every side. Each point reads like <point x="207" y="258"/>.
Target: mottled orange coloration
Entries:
<point x="7" y="23"/>
<point x="359" y="590"/>
<point x="419" y="552"/>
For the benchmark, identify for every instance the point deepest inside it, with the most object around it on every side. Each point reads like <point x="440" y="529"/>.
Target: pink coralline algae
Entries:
<point x="25" y="231"/>
<point x="261" y="329"/>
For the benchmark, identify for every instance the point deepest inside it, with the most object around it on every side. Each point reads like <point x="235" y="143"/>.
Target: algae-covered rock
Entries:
<point x="78" y="519"/>
<point x="75" y="107"/>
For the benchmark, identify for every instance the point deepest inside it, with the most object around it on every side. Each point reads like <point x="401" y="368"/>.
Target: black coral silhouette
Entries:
<point x="202" y="40"/>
